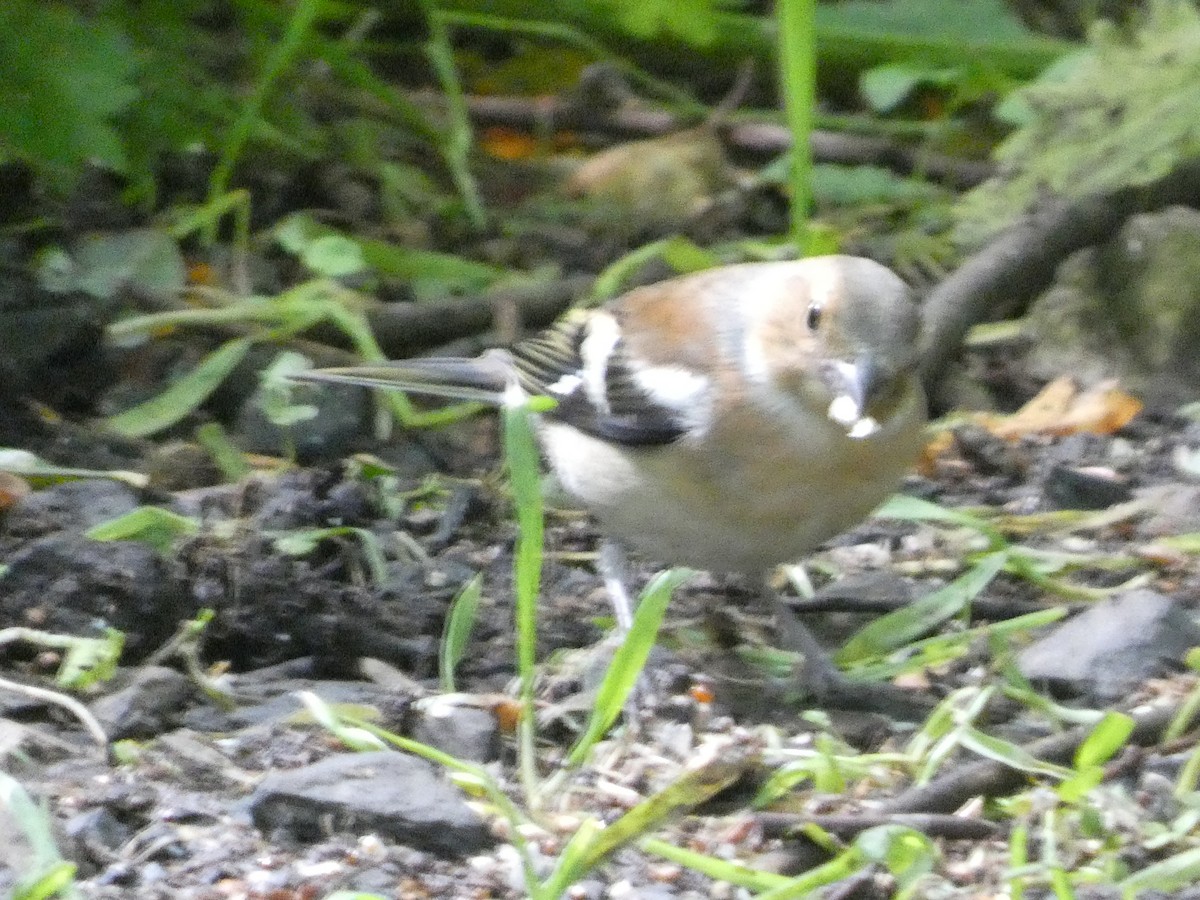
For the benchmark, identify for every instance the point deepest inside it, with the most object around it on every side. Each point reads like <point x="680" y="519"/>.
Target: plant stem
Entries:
<point x="798" y="76"/>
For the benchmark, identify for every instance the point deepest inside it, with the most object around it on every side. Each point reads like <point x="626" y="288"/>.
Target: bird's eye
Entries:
<point x="813" y="319"/>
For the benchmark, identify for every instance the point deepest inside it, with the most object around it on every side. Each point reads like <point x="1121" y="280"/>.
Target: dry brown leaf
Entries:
<point x="1061" y="409"/>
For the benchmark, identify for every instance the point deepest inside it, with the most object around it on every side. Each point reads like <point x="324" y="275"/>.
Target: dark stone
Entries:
<point x="149" y="704"/>
<point x="97" y="835"/>
<point x="467" y="732"/>
<point x="1068" y="487"/>
<point x="391" y="794"/>
<point x="69" y="584"/>
<point x="71" y="506"/>
<point x="1111" y="647"/>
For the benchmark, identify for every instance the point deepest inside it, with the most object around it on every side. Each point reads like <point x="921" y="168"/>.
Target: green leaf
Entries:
<point x="229" y="458"/>
<point x="627" y="663"/>
<point x="972" y="20"/>
<point x="44" y="870"/>
<point x="65" y="81"/>
<point x="1175" y="872"/>
<point x="152" y="525"/>
<point x="429" y="272"/>
<point x="1106" y="738"/>
<point x="705" y="777"/>
<point x="456" y="634"/>
<point x="908" y="854"/>
<point x="1008" y="753"/>
<point x="682" y="254"/>
<point x="89" y="661"/>
<point x="334" y="256"/>
<point x="718" y="869"/>
<point x="145" y="261"/>
<point x="909" y="622"/>
<point x="521" y="457"/>
<point x="836" y="185"/>
<point x="1124" y="113"/>
<point x="886" y="87"/>
<point x="40" y="473"/>
<point x="305" y="540"/>
<point x="184" y="395"/>
<point x="914" y="509"/>
<point x="692" y="21"/>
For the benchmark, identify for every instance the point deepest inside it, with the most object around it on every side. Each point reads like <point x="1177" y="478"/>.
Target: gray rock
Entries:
<point x="69" y="584"/>
<point x="96" y="836"/>
<point x="342" y="415"/>
<point x="467" y="732"/>
<point x="1127" y="310"/>
<point x="71" y="506"/>
<point x="391" y="794"/>
<point x="266" y="699"/>
<point x="1111" y="647"/>
<point x="148" y="704"/>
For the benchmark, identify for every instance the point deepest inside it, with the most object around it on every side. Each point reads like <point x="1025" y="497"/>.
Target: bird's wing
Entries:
<point x="583" y="363"/>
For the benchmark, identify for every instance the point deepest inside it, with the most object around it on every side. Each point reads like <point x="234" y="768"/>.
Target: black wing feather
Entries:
<point x="629" y="415"/>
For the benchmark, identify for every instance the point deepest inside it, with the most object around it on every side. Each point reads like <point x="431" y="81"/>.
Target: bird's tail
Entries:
<point x="486" y="378"/>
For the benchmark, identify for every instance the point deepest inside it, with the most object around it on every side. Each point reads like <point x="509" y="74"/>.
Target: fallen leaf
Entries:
<point x="1061" y="409"/>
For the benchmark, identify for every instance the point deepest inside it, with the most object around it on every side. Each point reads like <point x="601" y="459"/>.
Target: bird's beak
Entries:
<point x="857" y="387"/>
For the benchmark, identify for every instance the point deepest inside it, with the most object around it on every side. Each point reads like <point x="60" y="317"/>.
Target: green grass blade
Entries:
<point x="152" y="525"/>
<point x="898" y="628"/>
<point x="457" y="632"/>
<point x="521" y="455"/>
<point x="627" y="664"/>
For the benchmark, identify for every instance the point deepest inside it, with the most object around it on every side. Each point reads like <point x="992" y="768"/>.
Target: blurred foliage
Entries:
<point x="119" y="84"/>
<point x="1124" y="112"/>
<point x="68" y="81"/>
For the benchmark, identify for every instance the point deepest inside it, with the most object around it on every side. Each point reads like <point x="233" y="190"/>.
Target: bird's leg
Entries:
<point x="614" y="569"/>
<point x="824" y="681"/>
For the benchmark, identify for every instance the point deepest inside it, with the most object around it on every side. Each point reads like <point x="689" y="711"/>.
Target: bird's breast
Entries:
<point x="745" y="496"/>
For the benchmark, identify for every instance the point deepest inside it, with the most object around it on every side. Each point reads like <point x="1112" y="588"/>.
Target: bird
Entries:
<point x="730" y="420"/>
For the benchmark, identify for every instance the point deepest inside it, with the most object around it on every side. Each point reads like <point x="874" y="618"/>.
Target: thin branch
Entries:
<point x="73" y="706"/>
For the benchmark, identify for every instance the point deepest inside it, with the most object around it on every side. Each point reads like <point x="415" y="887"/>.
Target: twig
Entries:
<point x="404" y="329"/>
<point x="70" y="704"/>
<point x="955" y="828"/>
<point x="761" y="139"/>
<point x="982" y="608"/>
<point x="988" y="778"/>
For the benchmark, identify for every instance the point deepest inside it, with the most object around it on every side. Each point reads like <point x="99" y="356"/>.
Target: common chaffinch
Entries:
<point x="730" y="420"/>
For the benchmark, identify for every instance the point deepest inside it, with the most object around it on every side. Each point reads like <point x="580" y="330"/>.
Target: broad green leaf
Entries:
<point x="152" y="525"/>
<point x="1009" y="754"/>
<point x="972" y="20"/>
<point x="184" y="395"/>
<point x="66" y="79"/>
<point x="1124" y="114"/>
<point x="145" y="261"/>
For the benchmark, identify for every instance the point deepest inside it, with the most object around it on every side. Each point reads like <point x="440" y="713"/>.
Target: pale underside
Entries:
<point x="772" y="495"/>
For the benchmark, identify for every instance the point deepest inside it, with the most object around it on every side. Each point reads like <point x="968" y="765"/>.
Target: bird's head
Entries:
<point x="839" y="333"/>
